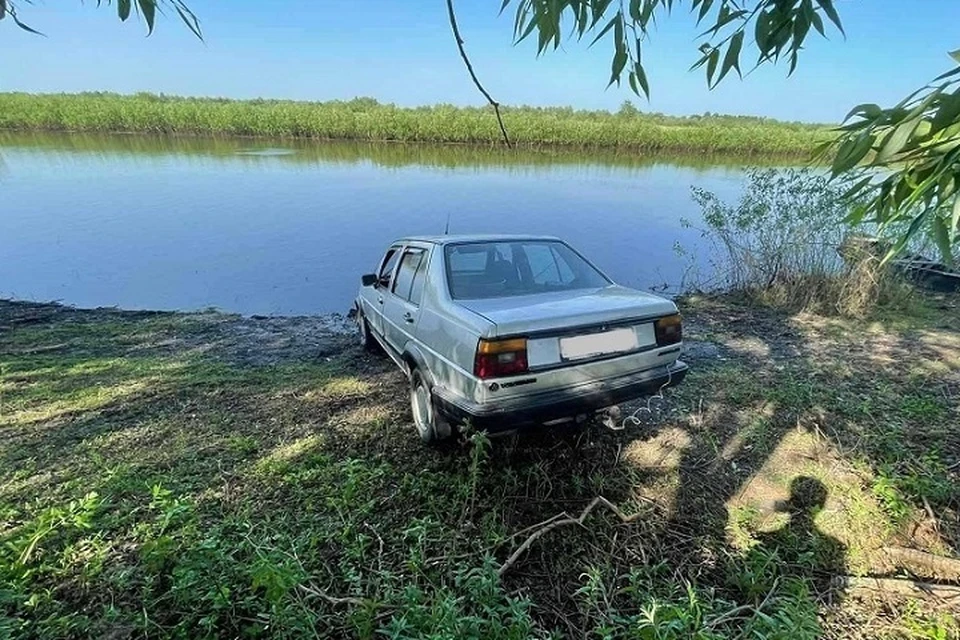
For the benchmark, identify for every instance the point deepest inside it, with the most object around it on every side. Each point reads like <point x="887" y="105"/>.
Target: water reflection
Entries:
<point x="271" y="226"/>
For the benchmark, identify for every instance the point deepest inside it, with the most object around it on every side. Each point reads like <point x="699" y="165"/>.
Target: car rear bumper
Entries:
<point x="561" y="403"/>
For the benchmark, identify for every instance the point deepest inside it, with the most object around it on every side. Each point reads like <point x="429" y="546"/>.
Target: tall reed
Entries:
<point x="367" y="119"/>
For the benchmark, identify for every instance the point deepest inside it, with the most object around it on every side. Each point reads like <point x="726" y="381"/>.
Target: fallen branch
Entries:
<point x="560" y="520"/>
<point x="902" y="587"/>
<point x="925" y="564"/>
<point x="473" y="76"/>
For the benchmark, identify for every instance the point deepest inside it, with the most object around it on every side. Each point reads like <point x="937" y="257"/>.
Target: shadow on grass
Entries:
<point x="229" y="495"/>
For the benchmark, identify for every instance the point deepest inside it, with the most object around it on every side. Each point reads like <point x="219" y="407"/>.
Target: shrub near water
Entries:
<point x="779" y="243"/>
<point x="366" y="119"/>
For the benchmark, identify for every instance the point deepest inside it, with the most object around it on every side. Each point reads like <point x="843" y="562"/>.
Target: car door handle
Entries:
<point x="380" y="300"/>
<point x="408" y="317"/>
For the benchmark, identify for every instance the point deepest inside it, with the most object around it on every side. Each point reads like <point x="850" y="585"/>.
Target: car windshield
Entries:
<point x="481" y="270"/>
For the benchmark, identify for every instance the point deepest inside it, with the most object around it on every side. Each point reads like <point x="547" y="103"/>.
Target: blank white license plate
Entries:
<point x="597" y="344"/>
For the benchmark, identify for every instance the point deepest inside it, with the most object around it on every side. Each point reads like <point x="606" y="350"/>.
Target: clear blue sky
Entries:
<point x="402" y="51"/>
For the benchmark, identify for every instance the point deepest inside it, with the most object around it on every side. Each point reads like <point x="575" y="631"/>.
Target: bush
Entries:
<point x="780" y="245"/>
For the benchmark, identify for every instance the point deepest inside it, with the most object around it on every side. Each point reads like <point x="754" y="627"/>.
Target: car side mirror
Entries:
<point x="368" y="279"/>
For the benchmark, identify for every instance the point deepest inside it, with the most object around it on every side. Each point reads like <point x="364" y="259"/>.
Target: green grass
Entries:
<point x="366" y="119"/>
<point x="152" y="484"/>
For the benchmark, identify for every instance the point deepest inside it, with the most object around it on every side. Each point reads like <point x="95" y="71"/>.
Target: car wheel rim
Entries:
<point x="421" y="409"/>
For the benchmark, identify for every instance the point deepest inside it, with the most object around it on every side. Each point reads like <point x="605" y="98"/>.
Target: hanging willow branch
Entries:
<point x="473" y="76"/>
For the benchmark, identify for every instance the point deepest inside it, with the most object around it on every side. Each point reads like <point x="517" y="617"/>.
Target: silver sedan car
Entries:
<point x="501" y="331"/>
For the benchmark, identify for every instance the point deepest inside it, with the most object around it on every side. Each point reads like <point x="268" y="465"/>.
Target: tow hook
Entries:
<point x="611" y="418"/>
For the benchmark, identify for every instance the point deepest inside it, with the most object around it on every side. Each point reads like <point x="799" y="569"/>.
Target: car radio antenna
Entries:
<point x="446" y="229"/>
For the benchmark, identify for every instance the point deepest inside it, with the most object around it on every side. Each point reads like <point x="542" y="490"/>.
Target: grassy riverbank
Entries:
<point x="169" y="474"/>
<point x="365" y="119"/>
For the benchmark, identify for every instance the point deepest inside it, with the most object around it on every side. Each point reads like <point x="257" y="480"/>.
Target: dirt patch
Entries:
<point x="242" y="340"/>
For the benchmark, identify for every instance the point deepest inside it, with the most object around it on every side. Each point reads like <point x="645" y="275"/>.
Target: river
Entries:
<point x="288" y="227"/>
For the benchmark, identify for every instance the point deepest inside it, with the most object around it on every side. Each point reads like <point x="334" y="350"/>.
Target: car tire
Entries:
<point x="430" y="425"/>
<point x="367" y="340"/>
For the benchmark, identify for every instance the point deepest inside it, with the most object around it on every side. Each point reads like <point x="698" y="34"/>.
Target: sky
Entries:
<point x="402" y="51"/>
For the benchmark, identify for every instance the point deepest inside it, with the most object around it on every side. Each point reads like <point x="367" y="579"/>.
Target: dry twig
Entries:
<point x="560" y="520"/>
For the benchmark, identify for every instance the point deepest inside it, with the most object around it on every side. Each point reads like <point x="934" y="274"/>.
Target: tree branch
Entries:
<point x="473" y="76"/>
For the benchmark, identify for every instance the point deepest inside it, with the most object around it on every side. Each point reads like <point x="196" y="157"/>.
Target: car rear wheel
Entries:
<point x="431" y="427"/>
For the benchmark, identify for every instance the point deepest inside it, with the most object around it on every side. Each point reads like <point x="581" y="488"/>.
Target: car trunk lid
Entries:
<point x="563" y="310"/>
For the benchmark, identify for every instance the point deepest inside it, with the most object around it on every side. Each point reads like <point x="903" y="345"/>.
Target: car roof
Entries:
<point x="477" y="237"/>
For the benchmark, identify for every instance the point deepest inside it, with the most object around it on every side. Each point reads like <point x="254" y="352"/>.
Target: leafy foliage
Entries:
<point x="146" y="10"/>
<point x="904" y="162"/>
<point x="780" y="243"/>
<point x="779" y="29"/>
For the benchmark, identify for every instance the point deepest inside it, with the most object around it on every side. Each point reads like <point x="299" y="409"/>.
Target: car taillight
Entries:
<point x="669" y="330"/>
<point x="500" y="358"/>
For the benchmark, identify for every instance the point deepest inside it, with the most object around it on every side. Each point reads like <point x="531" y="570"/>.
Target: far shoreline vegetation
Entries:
<point x="366" y="119"/>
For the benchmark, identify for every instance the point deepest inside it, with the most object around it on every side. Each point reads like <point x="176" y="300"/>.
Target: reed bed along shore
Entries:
<point x="365" y="119"/>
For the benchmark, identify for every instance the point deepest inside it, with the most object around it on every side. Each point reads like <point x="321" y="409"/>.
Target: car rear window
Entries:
<point x="480" y="270"/>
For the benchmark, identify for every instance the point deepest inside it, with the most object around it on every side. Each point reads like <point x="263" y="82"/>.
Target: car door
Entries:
<point x="401" y="307"/>
<point x="377" y="294"/>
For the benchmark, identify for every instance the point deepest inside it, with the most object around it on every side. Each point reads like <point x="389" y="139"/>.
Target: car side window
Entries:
<point x="409" y="266"/>
<point x="389" y="262"/>
<point x="419" y="281"/>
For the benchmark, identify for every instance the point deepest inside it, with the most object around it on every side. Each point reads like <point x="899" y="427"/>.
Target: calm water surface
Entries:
<point x="287" y="228"/>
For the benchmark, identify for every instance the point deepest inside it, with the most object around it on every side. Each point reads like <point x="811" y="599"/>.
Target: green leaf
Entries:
<point x="851" y="152"/>
<point x="817" y="22"/>
<point x="732" y="59"/>
<point x="619" y="62"/>
<point x="149" y="10"/>
<point x="3" y="9"/>
<point x="942" y="237"/>
<point x="801" y="27"/>
<point x="723" y="20"/>
<point x="647" y="13"/>
<point x="527" y="30"/>
<point x="858" y="213"/>
<point x="712" y="65"/>
<point x="641" y="76"/>
<point x="947" y="114"/>
<point x="827" y="6"/>
<point x="905" y="238"/>
<point x="947" y="74"/>
<point x="955" y="219"/>
<point x="123" y="9"/>
<point x="189" y="19"/>
<point x="867" y="111"/>
<point x="704" y="10"/>
<point x="955" y="55"/>
<point x="761" y="34"/>
<point x="20" y="24"/>
<point x="604" y="31"/>
<point x="895" y="141"/>
<point x="598" y="9"/>
<point x="856" y="188"/>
